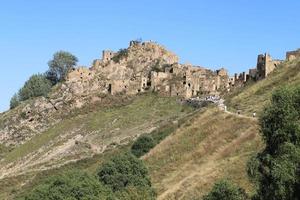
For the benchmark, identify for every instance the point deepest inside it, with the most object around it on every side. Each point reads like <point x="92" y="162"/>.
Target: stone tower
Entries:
<point x="265" y="65"/>
<point x="107" y="55"/>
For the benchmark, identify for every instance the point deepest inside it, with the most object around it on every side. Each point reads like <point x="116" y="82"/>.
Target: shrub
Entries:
<point x="226" y="191"/>
<point x="142" y="146"/>
<point x="252" y="169"/>
<point x="74" y="185"/>
<point x="123" y="171"/>
<point x="52" y="76"/>
<point x="37" y="85"/>
<point x="121" y="54"/>
<point x="14" y="101"/>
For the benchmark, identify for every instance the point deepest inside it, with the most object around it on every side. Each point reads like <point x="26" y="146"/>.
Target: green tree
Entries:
<point x="74" y="185"/>
<point x="142" y="146"/>
<point x="61" y="63"/>
<point x="224" y="190"/>
<point x="37" y="85"/>
<point x="123" y="171"/>
<point x="277" y="168"/>
<point x="14" y="101"/>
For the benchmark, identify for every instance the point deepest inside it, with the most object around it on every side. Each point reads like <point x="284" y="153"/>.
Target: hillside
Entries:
<point x="91" y="132"/>
<point x="88" y="119"/>
<point x="212" y="146"/>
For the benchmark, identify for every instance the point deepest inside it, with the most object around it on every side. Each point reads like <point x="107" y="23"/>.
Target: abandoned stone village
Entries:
<point x="148" y="66"/>
<point x="142" y="67"/>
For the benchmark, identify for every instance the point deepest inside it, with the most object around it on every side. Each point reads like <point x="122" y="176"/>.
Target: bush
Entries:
<point x="37" y="85"/>
<point x="226" y="191"/>
<point x="121" y="54"/>
<point x="123" y="171"/>
<point x="142" y="146"/>
<point x="14" y="102"/>
<point x="52" y="77"/>
<point x="252" y="169"/>
<point x="74" y="185"/>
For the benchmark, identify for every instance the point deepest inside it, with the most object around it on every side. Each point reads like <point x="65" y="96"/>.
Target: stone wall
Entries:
<point x="80" y="74"/>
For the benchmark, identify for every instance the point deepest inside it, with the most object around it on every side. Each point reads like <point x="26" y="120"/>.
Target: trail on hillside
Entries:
<point x="211" y="157"/>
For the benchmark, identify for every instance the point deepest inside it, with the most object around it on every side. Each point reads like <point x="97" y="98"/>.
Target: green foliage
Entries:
<point x="252" y="169"/>
<point x="61" y="63"/>
<point x="74" y="185"/>
<point x="145" y="143"/>
<point x="14" y="101"/>
<point x="121" y="54"/>
<point x="37" y="85"/>
<point x="226" y="191"/>
<point x="142" y="146"/>
<point x="277" y="167"/>
<point x="123" y="171"/>
<point x="52" y="76"/>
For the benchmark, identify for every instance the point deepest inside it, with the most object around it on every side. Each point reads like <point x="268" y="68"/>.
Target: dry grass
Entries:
<point x="100" y="128"/>
<point x="212" y="146"/>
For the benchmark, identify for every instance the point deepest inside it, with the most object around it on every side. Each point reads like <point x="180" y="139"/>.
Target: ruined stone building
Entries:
<point x="187" y="81"/>
<point x="292" y="55"/>
<point x="265" y="65"/>
<point x="147" y="66"/>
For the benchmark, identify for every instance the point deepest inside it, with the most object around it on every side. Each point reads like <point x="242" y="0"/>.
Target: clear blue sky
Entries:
<point x="209" y="33"/>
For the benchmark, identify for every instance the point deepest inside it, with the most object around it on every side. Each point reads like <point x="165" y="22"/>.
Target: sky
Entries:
<point x="210" y="33"/>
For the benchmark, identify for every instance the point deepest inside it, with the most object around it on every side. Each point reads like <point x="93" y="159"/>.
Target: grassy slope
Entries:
<point x="253" y="97"/>
<point x="146" y="110"/>
<point x="212" y="146"/>
<point x="216" y="145"/>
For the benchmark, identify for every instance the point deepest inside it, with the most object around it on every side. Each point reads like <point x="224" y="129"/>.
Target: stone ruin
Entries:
<point x="292" y="55"/>
<point x="148" y="66"/>
<point x="188" y="81"/>
<point x="265" y="65"/>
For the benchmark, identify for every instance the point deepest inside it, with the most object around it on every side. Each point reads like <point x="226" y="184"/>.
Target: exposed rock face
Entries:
<point x="141" y="67"/>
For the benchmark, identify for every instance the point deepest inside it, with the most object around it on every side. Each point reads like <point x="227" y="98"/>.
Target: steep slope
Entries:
<point x="212" y="146"/>
<point x="253" y="97"/>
